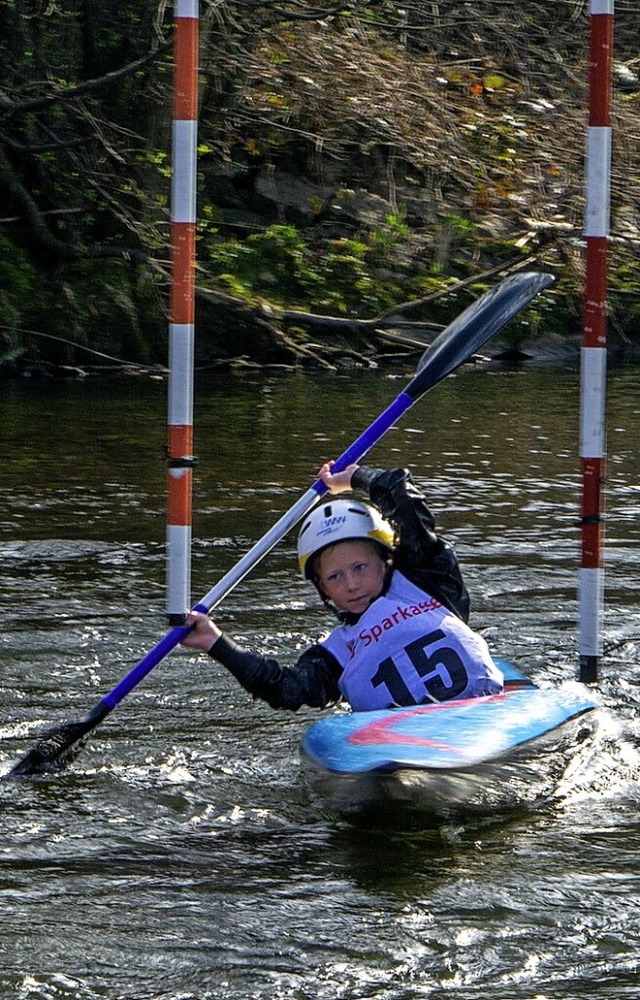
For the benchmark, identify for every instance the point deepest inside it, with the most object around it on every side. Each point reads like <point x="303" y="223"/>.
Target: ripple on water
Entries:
<point x="183" y="856"/>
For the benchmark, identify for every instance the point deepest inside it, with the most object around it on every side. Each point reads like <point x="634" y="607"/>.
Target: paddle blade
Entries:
<point x="474" y="327"/>
<point x="59" y="746"/>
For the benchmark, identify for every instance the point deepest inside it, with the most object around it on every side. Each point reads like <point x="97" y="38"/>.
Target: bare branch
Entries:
<point x="66" y="94"/>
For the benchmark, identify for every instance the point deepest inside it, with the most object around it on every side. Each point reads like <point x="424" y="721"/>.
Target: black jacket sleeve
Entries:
<point x="312" y="680"/>
<point x="421" y="555"/>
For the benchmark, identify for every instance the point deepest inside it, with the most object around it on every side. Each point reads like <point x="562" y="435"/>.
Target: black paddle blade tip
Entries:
<point x="58" y="747"/>
<point x="53" y="753"/>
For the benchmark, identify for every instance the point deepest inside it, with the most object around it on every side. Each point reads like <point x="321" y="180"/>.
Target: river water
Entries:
<point x="182" y="857"/>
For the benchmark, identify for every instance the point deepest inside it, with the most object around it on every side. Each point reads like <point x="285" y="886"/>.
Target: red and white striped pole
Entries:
<point x="182" y="310"/>
<point x="594" y="343"/>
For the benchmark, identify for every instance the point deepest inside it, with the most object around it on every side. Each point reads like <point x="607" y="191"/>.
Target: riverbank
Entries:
<point x="553" y="351"/>
<point x="349" y="161"/>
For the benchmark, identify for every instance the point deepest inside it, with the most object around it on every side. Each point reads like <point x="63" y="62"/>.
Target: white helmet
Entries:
<point x="340" y="521"/>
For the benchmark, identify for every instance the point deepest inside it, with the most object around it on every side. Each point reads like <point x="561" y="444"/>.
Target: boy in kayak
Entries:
<point x="397" y="591"/>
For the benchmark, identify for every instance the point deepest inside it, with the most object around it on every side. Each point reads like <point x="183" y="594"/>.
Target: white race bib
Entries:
<point x="407" y="649"/>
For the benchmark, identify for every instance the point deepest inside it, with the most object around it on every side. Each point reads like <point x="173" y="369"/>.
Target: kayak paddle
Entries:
<point x="461" y="339"/>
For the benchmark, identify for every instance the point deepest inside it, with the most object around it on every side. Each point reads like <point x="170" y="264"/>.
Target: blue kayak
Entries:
<point x="479" y="753"/>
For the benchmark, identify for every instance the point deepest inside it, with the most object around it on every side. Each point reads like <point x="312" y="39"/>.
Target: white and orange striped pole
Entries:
<point x="594" y="343"/>
<point x="182" y="310"/>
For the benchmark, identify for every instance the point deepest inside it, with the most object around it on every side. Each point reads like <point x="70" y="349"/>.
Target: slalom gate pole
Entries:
<point x="182" y="311"/>
<point x="456" y="344"/>
<point x="594" y="343"/>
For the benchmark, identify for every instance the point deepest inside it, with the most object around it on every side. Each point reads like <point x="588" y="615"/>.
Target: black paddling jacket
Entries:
<point x="420" y="555"/>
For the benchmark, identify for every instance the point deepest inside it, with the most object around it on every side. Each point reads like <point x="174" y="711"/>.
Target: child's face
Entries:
<point x="351" y="574"/>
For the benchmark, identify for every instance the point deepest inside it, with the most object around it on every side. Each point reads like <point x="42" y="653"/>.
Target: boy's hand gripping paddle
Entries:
<point x="462" y="338"/>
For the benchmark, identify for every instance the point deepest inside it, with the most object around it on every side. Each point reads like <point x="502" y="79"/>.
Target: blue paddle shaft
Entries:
<point x="462" y="338"/>
<point x="469" y="331"/>
<point x="472" y="328"/>
<point x="225" y="585"/>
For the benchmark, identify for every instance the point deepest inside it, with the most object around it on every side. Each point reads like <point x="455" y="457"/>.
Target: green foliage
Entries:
<point x="156" y="158"/>
<point x="21" y="296"/>
<point x="109" y="305"/>
<point x="383" y="242"/>
<point x="270" y="263"/>
<point x="18" y="277"/>
<point x="625" y="276"/>
<point x="293" y="269"/>
<point x="624" y="297"/>
<point x="446" y="108"/>
<point x="460" y="225"/>
<point x="112" y="306"/>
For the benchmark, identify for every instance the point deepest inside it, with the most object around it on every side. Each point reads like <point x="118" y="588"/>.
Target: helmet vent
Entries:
<point x="340" y="521"/>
